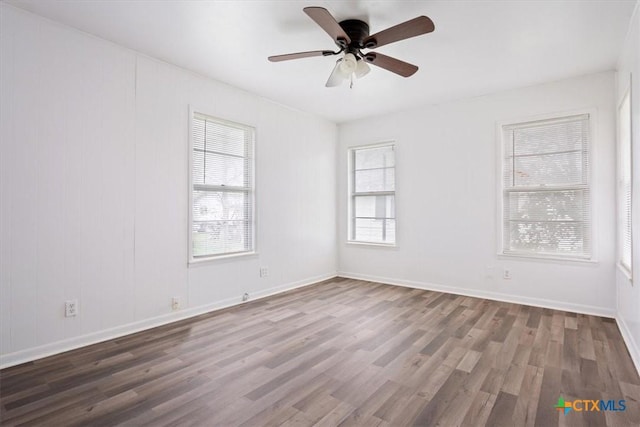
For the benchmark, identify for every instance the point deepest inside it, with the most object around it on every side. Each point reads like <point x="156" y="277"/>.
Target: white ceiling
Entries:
<point x="478" y="47"/>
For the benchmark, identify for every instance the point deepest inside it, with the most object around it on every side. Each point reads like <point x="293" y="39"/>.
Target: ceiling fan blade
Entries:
<point x="336" y="76"/>
<point x="406" y="30"/>
<point x="392" y="64"/>
<point x="329" y="24"/>
<point x="288" y="56"/>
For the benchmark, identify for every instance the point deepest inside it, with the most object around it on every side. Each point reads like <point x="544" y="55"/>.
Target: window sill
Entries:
<point x="625" y="271"/>
<point x="549" y="258"/>
<point x="199" y="262"/>
<point x="372" y="244"/>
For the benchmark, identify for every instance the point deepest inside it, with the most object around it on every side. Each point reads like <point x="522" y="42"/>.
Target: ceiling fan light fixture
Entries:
<point x="336" y="78"/>
<point x="362" y="69"/>
<point x="348" y="65"/>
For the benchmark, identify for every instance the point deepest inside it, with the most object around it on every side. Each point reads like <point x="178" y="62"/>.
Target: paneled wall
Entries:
<point x="94" y="191"/>
<point x="629" y="292"/>
<point x="447" y="169"/>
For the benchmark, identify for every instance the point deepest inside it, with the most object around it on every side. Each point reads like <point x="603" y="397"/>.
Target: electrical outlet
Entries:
<point x="506" y="274"/>
<point x="245" y="297"/>
<point x="175" y="303"/>
<point x="71" y="308"/>
<point x="264" y="271"/>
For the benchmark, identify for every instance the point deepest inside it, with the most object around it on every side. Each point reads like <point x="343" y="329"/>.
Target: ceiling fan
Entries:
<point x="351" y="36"/>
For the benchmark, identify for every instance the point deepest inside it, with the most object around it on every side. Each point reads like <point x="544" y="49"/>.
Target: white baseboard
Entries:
<point x="30" y="354"/>
<point x="632" y="345"/>
<point x="516" y="299"/>
<point x="27" y="355"/>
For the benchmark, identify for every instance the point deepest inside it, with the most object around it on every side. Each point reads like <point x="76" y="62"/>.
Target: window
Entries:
<point x="372" y="194"/>
<point x="624" y="184"/>
<point x="222" y="193"/>
<point x="546" y="192"/>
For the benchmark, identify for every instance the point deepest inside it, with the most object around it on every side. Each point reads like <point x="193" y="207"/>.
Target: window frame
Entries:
<point x="251" y="190"/>
<point x="500" y="153"/>
<point x="626" y="270"/>
<point x="351" y="194"/>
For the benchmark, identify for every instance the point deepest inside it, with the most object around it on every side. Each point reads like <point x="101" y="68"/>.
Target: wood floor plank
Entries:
<point x="441" y="400"/>
<point x="502" y="411"/>
<point x="549" y="393"/>
<point x="525" y="411"/>
<point x="517" y="371"/>
<point x="480" y="409"/>
<point x="340" y="352"/>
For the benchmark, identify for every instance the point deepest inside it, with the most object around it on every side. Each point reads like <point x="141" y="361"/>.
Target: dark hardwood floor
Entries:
<point x="341" y="352"/>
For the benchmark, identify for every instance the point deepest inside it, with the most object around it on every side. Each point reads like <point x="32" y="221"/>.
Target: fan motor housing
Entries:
<point x="357" y="31"/>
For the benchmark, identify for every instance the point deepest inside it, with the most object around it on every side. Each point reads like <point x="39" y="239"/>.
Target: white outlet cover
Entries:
<point x="71" y="308"/>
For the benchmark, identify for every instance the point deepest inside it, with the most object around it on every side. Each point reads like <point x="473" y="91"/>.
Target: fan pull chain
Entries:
<point x="351" y="83"/>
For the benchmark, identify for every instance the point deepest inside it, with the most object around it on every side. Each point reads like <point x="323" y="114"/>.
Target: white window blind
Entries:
<point x="222" y="193"/>
<point x="624" y="184"/>
<point x="373" y="195"/>
<point x="546" y="193"/>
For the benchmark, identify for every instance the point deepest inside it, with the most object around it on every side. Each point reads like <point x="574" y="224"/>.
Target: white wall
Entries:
<point x="629" y="293"/>
<point x="94" y="191"/>
<point x="446" y="194"/>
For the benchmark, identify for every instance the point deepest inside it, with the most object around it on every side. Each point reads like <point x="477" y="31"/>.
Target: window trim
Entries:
<point x="500" y="146"/>
<point x="197" y="261"/>
<point x="626" y="270"/>
<point x="350" y="183"/>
